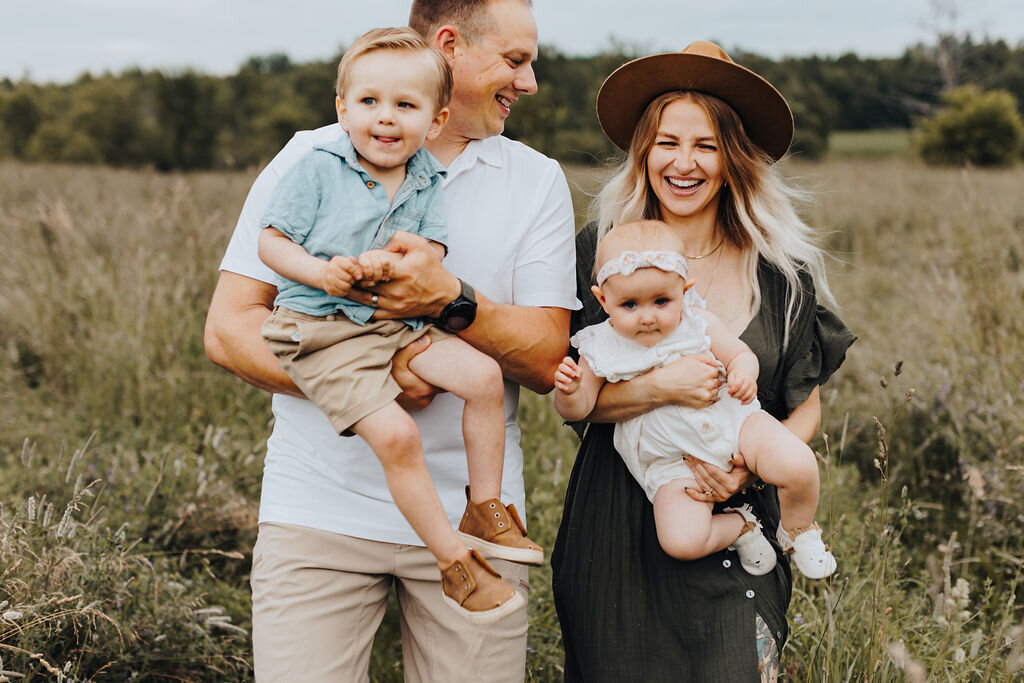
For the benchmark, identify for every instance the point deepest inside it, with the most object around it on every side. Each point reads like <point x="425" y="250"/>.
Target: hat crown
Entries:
<point x="706" y="49"/>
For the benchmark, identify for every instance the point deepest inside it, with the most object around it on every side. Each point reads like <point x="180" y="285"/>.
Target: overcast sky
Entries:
<point x="49" y="40"/>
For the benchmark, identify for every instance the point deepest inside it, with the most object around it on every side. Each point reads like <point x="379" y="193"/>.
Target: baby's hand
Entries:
<point x="338" y="275"/>
<point x="742" y="386"/>
<point x="567" y="376"/>
<point x="376" y="266"/>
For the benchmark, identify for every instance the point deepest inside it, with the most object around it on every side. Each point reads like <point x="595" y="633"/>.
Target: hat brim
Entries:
<point x="625" y="94"/>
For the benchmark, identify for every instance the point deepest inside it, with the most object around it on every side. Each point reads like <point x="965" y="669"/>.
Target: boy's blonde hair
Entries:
<point x="399" y="39"/>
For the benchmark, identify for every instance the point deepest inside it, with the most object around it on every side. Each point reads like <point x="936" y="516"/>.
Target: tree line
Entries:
<point x="186" y="120"/>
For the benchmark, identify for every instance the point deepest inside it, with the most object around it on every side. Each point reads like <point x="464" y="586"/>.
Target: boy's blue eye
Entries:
<point x="368" y="100"/>
<point x="406" y="105"/>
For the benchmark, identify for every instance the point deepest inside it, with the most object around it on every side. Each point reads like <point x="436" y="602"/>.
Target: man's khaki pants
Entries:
<point x="318" y="598"/>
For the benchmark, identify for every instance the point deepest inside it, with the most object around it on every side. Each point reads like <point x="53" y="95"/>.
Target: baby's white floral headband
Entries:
<point x="629" y="261"/>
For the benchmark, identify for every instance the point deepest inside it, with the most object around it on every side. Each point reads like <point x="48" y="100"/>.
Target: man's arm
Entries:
<point x="527" y="341"/>
<point x="232" y="337"/>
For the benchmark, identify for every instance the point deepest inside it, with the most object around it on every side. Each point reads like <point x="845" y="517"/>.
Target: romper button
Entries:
<point x="705" y="426"/>
<point x="750" y="594"/>
<point x="726" y="563"/>
<point x="370" y="184"/>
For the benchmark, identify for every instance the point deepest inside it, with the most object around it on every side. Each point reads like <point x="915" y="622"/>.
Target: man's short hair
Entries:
<point x="399" y="39"/>
<point x="469" y="16"/>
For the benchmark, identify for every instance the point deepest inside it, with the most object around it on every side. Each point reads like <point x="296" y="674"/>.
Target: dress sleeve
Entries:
<point x="591" y="313"/>
<point x="818" y="344"/>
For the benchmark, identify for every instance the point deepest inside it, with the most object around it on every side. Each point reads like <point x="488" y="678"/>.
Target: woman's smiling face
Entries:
<point x="684" y="164"/>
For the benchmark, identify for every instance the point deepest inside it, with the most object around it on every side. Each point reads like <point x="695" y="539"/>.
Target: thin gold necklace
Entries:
<point x="714" y="270"/>
<point x="717" y="247"/>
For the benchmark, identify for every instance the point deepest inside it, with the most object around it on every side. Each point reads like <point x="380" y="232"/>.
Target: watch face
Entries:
<point x="460" y="316"/>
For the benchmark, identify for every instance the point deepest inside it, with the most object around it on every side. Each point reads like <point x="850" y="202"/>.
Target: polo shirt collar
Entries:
<point x="422" y="165"/>
<point x="487" y="150"/>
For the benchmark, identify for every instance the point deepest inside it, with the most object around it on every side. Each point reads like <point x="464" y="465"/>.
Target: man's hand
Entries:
<point x="419" y="285"/>
<point x="338" y="275"/>
<point x="416" y="394"/>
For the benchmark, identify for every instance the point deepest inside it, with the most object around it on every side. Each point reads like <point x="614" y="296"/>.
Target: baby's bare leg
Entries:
<point x="686" y="528"/>
<point x="455" y="366"/>
<point x="779" y="457"/>
<point x="393" y="436"/>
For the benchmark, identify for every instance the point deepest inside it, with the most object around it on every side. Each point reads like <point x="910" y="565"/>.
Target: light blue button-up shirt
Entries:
<point x="331" y="206"/>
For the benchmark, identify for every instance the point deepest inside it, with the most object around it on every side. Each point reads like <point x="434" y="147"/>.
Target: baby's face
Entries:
<point x="645" y="306"/>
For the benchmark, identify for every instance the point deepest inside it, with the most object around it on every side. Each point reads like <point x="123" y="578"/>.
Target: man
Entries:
<point x="331" y="541"/>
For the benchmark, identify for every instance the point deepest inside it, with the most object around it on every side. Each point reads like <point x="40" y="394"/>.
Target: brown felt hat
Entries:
<point x="703" y="67"/>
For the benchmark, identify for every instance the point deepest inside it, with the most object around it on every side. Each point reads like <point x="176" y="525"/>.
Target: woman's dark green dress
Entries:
<point x="628" y="611"/>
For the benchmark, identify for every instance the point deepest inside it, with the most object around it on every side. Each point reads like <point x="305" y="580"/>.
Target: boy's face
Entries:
<point x="388" y="108"/>
<point x="645" y="306"/>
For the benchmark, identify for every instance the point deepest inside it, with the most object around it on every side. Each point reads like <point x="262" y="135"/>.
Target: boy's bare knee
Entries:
<point x="487" y="383"/>
<point x="398" y="445"/>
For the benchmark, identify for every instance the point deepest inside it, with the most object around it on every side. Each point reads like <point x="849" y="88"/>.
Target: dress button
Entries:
<point x="370" y="184"/>
<point x="750" y="594"/>
<point x="726" y="563"/>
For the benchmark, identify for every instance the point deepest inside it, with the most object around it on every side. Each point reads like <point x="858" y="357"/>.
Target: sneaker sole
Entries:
<point x="503" y="552"/>
<point x="514" y="604"/>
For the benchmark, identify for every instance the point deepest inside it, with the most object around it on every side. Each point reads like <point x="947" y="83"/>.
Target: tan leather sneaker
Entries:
<point x="472" y="588"/>
<point x="496" y="531"/>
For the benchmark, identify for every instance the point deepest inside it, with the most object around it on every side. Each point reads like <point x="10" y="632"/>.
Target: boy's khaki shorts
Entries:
<point x="343" y="367"/>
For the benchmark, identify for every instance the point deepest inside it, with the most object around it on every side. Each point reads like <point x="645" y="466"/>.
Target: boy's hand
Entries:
<point x="339" y="274"/>
<point x="742" y="386"/>
<point x="376" y="265"/>
<point x="567" y="376"/>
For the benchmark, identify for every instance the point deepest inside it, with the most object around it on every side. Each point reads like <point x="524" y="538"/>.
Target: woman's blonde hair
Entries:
<point x="757" y="209"/>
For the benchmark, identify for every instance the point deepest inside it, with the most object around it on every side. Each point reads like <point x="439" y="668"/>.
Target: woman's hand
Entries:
<point x="692" y="381"/>
<point x="715" y="485"/>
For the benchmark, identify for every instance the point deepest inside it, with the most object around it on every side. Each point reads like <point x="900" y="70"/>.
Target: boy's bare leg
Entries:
<point x="455" y="366"/>
<point x="686" y="528"/>
<point x="394" y="438"/>
<point x="779" y="457"/>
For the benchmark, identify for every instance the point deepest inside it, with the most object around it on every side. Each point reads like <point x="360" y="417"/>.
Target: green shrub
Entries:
<point x="976" y="127"/>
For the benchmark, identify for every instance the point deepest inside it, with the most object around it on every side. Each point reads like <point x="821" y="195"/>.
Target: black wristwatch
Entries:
<point x="459" y="314"/>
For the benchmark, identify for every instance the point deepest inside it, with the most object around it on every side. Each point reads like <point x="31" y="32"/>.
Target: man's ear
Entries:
<point x="339" y="105"/>
<point x="446" y="39"/>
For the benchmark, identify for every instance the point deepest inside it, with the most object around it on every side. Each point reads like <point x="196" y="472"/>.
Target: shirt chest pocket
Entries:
<point x="405" y="219"/>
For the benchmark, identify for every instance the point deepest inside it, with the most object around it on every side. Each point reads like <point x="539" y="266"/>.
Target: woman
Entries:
<point x="701" y="134"/>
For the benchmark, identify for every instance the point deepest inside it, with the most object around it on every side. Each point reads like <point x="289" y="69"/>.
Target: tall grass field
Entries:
<point x="130" y="466"/>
